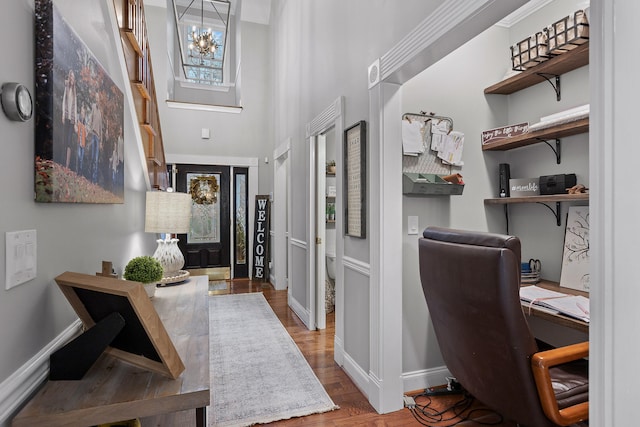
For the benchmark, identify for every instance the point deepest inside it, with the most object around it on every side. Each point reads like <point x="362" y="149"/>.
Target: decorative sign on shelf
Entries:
<point x="261" y="239"/>
<point x="495" y="135"/>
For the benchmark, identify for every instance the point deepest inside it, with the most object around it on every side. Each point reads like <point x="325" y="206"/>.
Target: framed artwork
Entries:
<point x="575" y="256"/>
<point x="79" y="118"/>
<point x="355" y="172"/>
<point x="143" y="341"/>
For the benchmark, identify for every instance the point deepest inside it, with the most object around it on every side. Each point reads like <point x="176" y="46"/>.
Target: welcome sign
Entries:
<point x="261" y="239"/>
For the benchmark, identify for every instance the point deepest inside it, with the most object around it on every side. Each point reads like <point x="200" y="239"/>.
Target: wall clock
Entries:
<point x="16" y="102"/>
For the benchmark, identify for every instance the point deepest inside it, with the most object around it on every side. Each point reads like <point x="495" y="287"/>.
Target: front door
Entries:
<point x="207" y="243"/>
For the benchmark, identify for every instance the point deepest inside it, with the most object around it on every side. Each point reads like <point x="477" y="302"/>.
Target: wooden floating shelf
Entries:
<point x="555" y="132"/>
<point x="538" y="199"/>
<point x="555" y="66"/>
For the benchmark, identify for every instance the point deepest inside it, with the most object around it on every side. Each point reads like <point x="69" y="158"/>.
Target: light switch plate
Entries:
<point x="21" y="257"/>
<point x="412" y="225"/>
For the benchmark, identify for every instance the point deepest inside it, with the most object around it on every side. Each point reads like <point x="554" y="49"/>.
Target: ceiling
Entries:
<point x="257" y="11"/>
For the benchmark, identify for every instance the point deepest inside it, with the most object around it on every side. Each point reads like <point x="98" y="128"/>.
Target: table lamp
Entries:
<point x="168" y="213"/>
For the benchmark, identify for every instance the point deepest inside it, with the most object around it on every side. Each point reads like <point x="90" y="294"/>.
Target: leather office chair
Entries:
<point x="471" y="283"/>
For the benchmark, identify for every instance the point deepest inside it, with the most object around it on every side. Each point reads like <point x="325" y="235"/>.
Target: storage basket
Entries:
<point x="568" y="33"/>
<point x="529" y="52"/>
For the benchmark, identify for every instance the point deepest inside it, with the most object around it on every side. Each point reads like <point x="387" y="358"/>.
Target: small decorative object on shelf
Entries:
<point x="146" y="270"/>
<point x="331" y="167"/>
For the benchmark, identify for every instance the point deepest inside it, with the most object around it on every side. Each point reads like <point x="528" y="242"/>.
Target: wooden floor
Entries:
<point x="317" y="347"/>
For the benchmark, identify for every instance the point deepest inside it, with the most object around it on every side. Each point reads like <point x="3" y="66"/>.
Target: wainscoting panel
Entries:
<point x="298" y="289"/>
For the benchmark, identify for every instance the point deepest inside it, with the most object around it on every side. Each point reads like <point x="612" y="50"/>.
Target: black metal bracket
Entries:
<point x="555" y="213"/>
<point x="557" y="150"/>
<point x="556" y="85"/>
<point x="73" y="360"/>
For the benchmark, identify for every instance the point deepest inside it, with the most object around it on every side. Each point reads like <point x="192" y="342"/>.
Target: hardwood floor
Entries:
<point x="317" y="347"/>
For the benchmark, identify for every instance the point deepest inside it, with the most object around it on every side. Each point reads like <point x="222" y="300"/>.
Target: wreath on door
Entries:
<point x="204" y="190"/>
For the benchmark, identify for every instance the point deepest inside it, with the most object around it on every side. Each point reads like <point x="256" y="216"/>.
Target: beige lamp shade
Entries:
<point x="167" y="212"/>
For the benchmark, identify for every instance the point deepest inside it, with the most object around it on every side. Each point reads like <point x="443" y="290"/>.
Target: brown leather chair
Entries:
<point x="471" y="283"/>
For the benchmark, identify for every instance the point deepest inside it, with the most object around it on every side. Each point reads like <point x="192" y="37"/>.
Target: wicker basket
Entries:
<point x="568" y="33"/>
<point x="529" y="52"/>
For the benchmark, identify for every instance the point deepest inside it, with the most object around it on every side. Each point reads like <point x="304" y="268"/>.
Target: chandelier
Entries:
<point x="202" y="42"/>
<point x="202" y="27"/>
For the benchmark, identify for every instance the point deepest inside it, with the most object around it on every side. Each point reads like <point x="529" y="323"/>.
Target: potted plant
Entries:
<point x="146" y="270"/>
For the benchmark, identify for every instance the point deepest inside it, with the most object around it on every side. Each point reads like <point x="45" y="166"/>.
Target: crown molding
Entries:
<point x="523" y="12"/>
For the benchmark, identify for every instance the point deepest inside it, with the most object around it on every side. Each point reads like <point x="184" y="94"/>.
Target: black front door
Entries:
<point x="207" y="243"/>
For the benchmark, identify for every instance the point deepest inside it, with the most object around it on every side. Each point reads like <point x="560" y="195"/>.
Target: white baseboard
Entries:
<point x="357" y="374"/>
<point x="300" y="311"/>
<point x="418" y="380"/>
<point x="338" y="351"/>
<point x="22" y="383"/>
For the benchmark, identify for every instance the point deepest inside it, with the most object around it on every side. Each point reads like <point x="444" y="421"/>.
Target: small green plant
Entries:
<point x="144" y="269"/>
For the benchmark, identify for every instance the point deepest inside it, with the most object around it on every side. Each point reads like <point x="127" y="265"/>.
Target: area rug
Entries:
<point x="258" y="374"/>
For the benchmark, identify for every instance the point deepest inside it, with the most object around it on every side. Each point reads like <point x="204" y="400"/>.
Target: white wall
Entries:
<point x="71" y="237"/>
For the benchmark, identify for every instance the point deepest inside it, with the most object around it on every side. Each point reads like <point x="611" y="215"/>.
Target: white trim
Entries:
<point x="298" y="243"/>
<point x="357" y="374"/>
<point x="197" y="159"/>
<point x="338" y="350"/>
<point x="300" y="311"/>
<point x="326" y="119"/>
<point x="204" y="107"/>
<point x="357" y="266"/>
<point x="424" y="378"/>
<point x="522" y="13"/>
<point x="224" y="87"/>
<point x="22" y="383"/>
<point x="282" y="149"/>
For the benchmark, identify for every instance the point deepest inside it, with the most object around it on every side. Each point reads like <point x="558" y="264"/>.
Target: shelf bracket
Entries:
<point x="557" y="150"/>
<point x="556" y="85"/>
<point x="555" y="213"/>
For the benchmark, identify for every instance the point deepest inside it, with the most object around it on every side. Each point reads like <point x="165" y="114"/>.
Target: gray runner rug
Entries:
<point x="258" y="374"/>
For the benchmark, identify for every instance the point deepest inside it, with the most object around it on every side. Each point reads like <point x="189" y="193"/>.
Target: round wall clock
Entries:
<point x="16" y="102"/>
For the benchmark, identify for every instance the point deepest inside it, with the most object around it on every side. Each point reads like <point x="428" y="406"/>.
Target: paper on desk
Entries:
<point x="575" y="306"/>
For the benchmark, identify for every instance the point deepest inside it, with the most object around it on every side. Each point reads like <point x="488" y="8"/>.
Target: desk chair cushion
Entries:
<point x="471" y="283"/>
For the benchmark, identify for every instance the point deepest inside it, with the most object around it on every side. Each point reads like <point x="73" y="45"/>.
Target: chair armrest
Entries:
<point x="540" y="364"/>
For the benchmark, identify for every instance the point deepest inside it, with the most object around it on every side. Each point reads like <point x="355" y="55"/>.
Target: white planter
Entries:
<point x="150" y="288"/>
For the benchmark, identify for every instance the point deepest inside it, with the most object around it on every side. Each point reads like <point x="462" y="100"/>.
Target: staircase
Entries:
<point x="135" y="44"/>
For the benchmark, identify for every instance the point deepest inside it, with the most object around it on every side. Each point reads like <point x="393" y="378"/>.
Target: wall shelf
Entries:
<point x="536" y="137"/>
<point x="555" y="66"/>
<point x="543" y="200"/>
<point x="537" y="199"/>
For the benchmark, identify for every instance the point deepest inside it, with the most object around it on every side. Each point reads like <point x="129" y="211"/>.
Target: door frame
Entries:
<point x="251" y="163"/>
<point x="332" y="116"/>
<point x="281" y="218"/>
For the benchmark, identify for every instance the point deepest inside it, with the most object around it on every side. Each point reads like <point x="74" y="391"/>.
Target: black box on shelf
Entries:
<point x="556" y="184"/>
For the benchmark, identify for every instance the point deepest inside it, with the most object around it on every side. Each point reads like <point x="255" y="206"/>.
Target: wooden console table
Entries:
<point x="114" y="390"/>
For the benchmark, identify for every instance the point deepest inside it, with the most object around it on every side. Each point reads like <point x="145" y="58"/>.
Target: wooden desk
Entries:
<point x="114" y="390"/>
<point x="560" y="319"/>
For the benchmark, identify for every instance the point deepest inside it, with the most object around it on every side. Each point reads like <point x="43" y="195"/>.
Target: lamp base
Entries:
<point x="174" y="278"/>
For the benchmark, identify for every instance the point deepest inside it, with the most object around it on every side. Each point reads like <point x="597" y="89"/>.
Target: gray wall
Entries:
<point x="449" y="88"/>
<point x="71" y="237"/>
<point x="321" y="50"/>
